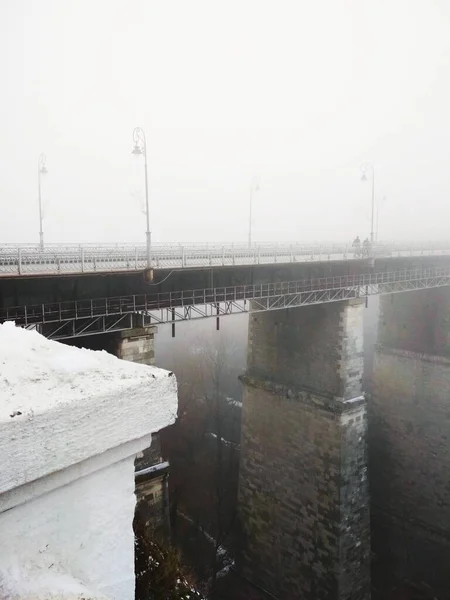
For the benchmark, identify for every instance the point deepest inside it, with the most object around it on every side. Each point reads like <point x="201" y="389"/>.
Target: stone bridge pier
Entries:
<point x="137" y="345"/>
<point x="409" y="440"/>
<point x="303" y="487"/>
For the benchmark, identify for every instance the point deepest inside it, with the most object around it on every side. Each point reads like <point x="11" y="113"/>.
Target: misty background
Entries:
<point x="298" y="93"/>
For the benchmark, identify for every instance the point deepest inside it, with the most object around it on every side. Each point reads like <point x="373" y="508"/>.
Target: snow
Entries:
<point x="159" y="467"/>
<point x="353" y="400"/>
<point x="71" y="424"/>
<point x="234" y="402"/>
<point x="37" y="584"/>
<point x="61" y="405"/>
<point x="37" y="374"/>
<point x="223" y="440"/>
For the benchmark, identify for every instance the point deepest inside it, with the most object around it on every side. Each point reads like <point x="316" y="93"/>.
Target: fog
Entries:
<point x="298" y="93"/>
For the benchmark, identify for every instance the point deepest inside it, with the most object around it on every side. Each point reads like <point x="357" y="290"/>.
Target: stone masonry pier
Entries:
<point x="303" y="489"/>
<point x="409" y="433"/>
<point x="137" y="345"/>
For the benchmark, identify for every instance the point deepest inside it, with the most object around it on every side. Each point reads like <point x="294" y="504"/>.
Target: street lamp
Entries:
<point x="383" y="200"/>
<point x="42" y="170"/>
<point x="364" y="168"/>
<point x="254" y="187"/>
<point x="140" y="148"/>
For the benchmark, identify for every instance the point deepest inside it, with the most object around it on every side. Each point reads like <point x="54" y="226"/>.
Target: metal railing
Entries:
<point x="58" y="260"/>
<point x="215" y="302"/>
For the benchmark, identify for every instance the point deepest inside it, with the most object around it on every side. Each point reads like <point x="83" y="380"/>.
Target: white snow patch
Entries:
<point x="37" y="374"/>
<point x="352" y="400"/>
<point x="33" y="583"/>
<point x="234" y="402"/>
<point x="61" y="405"/>
<point x="221" y="551"/>
<point x="223" y="440"/>
<point x="153" y="469"/>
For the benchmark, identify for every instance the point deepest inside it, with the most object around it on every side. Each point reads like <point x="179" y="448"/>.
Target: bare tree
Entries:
<point x="204" y="460"/>
<point x="160" y="575"/>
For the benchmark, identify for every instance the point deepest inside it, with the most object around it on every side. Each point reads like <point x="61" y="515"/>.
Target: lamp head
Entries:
<point x="137" y="150"/>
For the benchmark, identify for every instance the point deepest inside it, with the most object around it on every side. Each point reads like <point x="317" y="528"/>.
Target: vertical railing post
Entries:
<point x="135" y="258"/>
<point x="223" y="256"/>
<point x="183" y="257"/>
<point x="82" y="259"/>
<point x="19" y="261"/>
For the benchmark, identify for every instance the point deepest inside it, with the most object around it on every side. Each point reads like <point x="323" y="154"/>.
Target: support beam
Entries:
<point x="303" y="491"/>
<point x="409" y="434"/>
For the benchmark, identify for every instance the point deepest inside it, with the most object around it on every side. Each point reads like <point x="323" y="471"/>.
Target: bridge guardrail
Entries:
<point x="23" y="260"/>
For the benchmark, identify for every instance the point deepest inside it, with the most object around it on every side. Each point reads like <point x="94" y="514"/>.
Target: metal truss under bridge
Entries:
<point x="103" y="315"/>
<point x="27" y="260"/>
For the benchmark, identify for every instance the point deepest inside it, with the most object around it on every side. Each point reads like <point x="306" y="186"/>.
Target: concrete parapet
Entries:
<point x="71" y="424"/>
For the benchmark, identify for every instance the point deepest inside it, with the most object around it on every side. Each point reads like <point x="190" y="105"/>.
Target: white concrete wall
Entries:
<point x="71" y="424"/>
<point x="82" y="529"/>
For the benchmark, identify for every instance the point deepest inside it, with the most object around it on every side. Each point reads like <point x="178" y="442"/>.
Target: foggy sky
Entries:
<point x="297" y="92"/>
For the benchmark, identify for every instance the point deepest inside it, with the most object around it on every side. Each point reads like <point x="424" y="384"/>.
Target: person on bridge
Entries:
<point x="366" y="247"/>
<point x="357" y="245"/>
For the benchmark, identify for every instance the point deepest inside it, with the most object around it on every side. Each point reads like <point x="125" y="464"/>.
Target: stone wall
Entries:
<point x="150" y="456"/>
<point x="152" y="493"/>
<point x="416" y="321"/>
<point x="409" y="440"/>
<point x="303" y="490"/>
<point x="303" y="495"/>
<point x="315" y="347"/>
<point x="137" y="345"/>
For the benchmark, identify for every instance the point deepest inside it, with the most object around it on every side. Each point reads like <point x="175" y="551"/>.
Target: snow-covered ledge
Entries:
<point x="71" y="423"/>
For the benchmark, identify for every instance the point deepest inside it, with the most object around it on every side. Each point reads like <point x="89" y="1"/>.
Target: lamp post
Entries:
<point x="364" y="168"/>
<point x="140" y="148"/>
<point x="42" y="170"/>
<point x="383" y="200"/>
<point x="254" y="187"/>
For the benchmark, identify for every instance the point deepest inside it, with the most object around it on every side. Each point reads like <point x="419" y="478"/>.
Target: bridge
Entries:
<point x="27" y="260"/>
<point x="309" y="524"/>
<point x="72" y="319"/>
